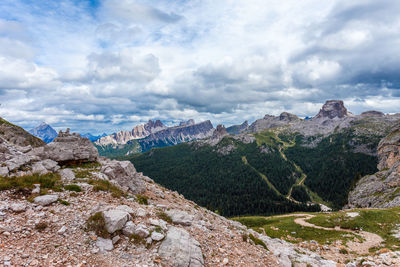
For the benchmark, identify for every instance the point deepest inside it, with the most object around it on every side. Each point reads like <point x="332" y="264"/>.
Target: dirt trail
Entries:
<point x="370" y="239"/>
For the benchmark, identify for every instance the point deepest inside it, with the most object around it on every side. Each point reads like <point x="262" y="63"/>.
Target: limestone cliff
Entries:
<point x="382" y="189"/>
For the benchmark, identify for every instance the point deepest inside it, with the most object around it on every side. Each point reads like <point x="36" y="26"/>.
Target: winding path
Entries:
<point x="370" y="239"/>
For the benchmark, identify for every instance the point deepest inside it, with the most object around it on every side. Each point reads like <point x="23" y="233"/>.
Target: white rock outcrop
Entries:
<point x="115" y="219"/>
<point x="181" y="249"/>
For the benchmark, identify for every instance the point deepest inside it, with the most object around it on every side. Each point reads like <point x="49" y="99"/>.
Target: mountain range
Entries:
<point x="276" y="164"/>
<point x="152" y="134"/>
<point x="45" y="132"/>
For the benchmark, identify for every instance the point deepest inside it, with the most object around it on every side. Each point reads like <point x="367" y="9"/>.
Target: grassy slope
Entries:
<point x="383" y="222"/>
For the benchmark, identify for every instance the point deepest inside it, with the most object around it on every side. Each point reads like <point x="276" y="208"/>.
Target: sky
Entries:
<point x="107" y="65"/>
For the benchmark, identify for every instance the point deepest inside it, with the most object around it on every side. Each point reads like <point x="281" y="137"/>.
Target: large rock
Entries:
<point x="124" y="174"/>
<point x="181" y="249"/>
<point x="45" y="200"/>
<point x="70" y="148"/>
<point x="129" y="229"/>
<point x="104" y="244"/>
<point x="67" y="175"/>
<point x="180" y="217"/>
<point x="115" y="220"/>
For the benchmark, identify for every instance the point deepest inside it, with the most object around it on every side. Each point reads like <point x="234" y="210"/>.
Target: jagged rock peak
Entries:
<point x="220" y="131"/>
<point x="286" y="116"/>
<point x="332" y="109"/>
<point x="187" y="123"/>
<point x="151" y="125"/>
<point x="44" y="131"/>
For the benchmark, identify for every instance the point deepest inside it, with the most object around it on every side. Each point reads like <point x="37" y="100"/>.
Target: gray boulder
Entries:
<point x="70" y="148"/>
<point x="3" y="171"/>
<point x="18" y="207"/>
<point x="142" y="230"/>
<point x="123" y="173"/>
<point x="67" y="175"/>
<point x="156" y="236"/>
<point x="181" y="249"/>
<point x="104" y="244"/>
<point x="180" y="217"/>
<point x="39" y="168"/>
<point x="45" y="200"/>
<point x="115" y="219"/>
<point x="129" y="228"/>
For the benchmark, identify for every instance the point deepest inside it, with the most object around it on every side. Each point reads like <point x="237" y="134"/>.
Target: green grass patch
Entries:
<point x="142" y="199"/>
<point x="73" y="187"/>
<point x="163" y="216"/>
<point x="281" y="227"/>
<point x="382" y="222"/>
<point x="97" y="224"/>
<point x="79" y="173"/>
<point x="257" y="241"/>
<point x="48" y="181"/>
<point x="103" y="185"/>
<point x="63" y="202"/>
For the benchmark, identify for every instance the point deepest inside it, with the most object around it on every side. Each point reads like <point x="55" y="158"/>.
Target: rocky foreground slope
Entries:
<point x="382" y="189"/>
<point x="63" y="205"/>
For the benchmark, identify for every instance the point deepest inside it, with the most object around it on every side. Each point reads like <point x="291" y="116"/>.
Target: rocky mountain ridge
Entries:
<point x="138" y="132"/>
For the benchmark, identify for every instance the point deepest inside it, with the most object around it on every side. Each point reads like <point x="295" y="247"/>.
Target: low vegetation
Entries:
<point x="73" y="187"/>
<point x="383" y="222"/>
<point x="285" y="228"/>
<point x="47" y="181"/>
<point x="97" y="224"/>
<point x="142" y="199"/>
<point x="103" y="185"/>
<point x="163" y="216"/>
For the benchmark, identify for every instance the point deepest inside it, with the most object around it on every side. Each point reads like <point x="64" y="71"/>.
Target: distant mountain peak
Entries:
<point x="44" y="131"/>
<point x="332" y="109"/>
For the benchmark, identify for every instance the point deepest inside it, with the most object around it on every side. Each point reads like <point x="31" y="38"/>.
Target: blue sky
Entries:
<point x="108" y="65"/>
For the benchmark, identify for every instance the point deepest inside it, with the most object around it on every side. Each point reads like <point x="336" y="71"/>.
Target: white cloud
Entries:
<point x="128" y="61"/>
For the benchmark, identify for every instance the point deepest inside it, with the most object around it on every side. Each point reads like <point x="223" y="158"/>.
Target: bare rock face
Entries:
<point x="69" y="147"/>
<point x="124" y="174"/>
<point x="332" y="109"/>
<point x="389" y="149"/>
<point x="380" y="190"/>
<point x="181" y="249"/>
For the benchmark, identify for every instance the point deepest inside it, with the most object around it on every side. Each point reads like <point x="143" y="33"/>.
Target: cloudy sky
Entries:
<point x="107" y="65"/>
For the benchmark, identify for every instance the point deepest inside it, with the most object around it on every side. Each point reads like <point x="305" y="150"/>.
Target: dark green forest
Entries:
<point x="252" y="180"/>
<point x="217" y="182"/>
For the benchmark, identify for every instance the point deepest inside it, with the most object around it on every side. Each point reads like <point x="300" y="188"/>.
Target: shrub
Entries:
<point x="137" y="239"/>
<point x="343" y="251"/>
<point x="41" y="226"/>
<point x="97" y="224"/>
<point x="73" y="187"/>
<point x="143" y="200"/>
<point x="258" y="241"/>
<point x="162" y="215"/>
<point x="64" y="202"/>
<point x="103" y="185"/>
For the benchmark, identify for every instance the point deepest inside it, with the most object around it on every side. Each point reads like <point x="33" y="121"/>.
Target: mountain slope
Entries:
<point x="18" y="136"/>
<point x="294" y="160"/>
<point x="44" y="132"/>
<point x="381" y="189"/>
